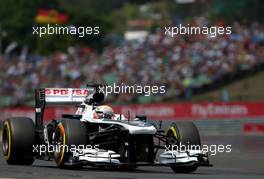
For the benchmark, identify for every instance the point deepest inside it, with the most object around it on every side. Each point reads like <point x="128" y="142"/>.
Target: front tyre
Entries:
<point x="68" y="133"/>
<point x="185" y="134"/>
<point x="18" y="138"/>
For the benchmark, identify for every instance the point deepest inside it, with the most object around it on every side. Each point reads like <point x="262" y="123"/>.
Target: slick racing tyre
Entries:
<point x="184" y="134"/>
<point x="18" y="138"/>
<point x="68" y="133"/>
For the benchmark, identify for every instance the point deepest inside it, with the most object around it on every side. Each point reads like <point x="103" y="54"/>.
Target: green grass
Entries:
<point x="247" y="89"/>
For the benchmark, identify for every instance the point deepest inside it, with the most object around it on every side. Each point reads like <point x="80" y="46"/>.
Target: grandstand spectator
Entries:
<point x="181" y="63"/>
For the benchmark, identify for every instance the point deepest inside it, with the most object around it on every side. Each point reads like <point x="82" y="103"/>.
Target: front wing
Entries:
<point x="108" y="158"/>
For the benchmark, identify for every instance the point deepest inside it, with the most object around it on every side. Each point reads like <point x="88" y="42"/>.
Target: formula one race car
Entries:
<point x="96" y="136"/>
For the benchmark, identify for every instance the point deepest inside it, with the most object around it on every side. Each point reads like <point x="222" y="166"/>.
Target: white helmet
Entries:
<point x="104" y="112"/>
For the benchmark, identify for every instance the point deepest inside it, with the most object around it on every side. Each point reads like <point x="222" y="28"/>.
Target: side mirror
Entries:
<point x="142" y="118"/>
<point x="98" y="97"/>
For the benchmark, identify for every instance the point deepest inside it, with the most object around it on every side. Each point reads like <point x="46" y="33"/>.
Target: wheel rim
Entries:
<point x="6" y="141"/>
<point x="59" y="142"/>
<point x="172" y="138"/>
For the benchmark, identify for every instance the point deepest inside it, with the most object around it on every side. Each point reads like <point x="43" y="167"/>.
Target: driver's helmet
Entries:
<point x="104" y="112"/>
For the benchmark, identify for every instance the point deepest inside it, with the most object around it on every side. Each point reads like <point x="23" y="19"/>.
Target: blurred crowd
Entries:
<point x="181" y="63"/>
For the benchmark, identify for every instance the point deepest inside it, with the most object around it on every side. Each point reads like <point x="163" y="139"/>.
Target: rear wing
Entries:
<point x="68" y="95"/>
<point x="49" y="96"/>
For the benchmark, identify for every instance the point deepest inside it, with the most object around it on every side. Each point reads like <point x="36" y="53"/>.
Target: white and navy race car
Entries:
<point x="95" y="135"/>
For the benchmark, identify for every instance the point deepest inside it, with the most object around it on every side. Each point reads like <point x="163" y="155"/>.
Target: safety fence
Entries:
<point x="212" y="118"/>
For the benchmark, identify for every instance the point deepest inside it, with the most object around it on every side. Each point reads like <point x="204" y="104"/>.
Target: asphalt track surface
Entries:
<point x="246" y="160"/>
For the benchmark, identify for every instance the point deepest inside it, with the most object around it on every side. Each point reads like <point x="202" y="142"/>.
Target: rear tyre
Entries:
<point x="68" y="133"/>
<point x="186" y="134"/>
<point x="18" y="138"/>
